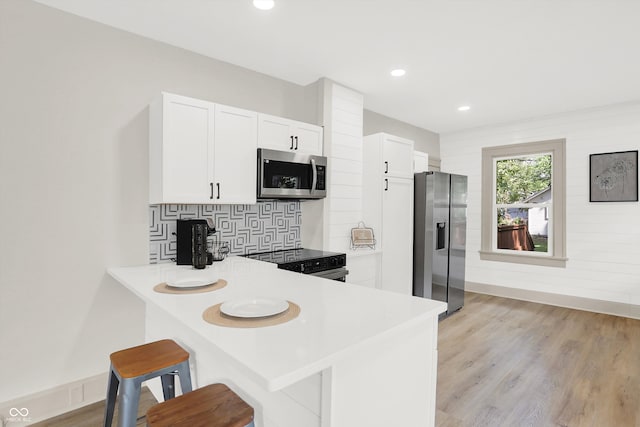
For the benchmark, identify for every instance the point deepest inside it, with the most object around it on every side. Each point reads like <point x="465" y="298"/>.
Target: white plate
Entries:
<point x="190" y="282"/>
<point x="254" y="307"/>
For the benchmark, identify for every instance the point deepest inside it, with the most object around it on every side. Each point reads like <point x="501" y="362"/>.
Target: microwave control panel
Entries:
<point x="320" y="184"/>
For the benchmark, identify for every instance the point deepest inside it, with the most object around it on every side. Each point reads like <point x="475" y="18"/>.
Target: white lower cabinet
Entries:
<point x="397" y="235"/>
<point x="364" y="268"/>
<point x="201" y="152"/>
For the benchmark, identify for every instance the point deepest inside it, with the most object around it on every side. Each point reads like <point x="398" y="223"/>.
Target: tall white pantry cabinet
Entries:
<point x="388" y="206"/>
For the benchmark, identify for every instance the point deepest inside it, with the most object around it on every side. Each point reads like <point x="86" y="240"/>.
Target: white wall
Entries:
<point x="74" y="186"/>
<point x="602" y="238"/>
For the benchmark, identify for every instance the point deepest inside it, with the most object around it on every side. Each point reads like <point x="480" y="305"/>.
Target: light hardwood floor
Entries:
<point x="504" y="362"/>
<point x="93" y="415"/>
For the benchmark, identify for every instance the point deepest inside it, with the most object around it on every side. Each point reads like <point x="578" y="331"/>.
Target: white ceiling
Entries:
<point x="507" y="59"/>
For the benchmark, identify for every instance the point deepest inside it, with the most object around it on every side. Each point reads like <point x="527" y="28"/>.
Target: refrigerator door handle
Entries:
<point x="441" y="238"/>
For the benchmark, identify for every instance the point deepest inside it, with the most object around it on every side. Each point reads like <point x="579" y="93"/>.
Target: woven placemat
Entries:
<point x="163" y="288"/>
<point x="214" y="316"/>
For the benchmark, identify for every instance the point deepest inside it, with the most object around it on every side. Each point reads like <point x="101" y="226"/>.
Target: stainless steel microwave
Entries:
<point x="285" y="175"/>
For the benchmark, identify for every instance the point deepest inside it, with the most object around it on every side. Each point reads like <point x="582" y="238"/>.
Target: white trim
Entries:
<point x="58" y="400"/>
<point x="560" y="300"/>
<point x="523" y="258"/>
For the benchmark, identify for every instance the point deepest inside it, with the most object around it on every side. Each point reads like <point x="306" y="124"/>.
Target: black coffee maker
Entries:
<point x="191" y="238"/>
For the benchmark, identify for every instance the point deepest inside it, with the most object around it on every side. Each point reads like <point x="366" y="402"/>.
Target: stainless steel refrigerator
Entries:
<point x="440" y="224"/>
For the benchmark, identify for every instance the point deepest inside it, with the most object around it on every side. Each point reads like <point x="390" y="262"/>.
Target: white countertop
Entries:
<point x="335" y="317"/>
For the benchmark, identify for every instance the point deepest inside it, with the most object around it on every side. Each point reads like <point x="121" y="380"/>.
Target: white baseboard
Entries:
<point x="568" y="301"/>
<point x="53" y="402"/>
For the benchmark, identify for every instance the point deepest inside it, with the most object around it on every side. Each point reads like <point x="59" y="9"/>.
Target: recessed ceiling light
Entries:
<point x="263" y="4"/>
<point x="464" y="108"/>
<point x="398" y="72"/>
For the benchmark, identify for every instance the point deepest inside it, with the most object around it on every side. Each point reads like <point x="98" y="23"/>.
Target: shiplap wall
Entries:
<point x="344" y="151"/>
<point x="602" y="238"/>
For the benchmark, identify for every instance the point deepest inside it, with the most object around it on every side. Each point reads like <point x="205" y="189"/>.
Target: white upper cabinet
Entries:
<point x="180" y="150"/>
<point x="200" y="152"/>
<point x="282" y="134"/>
<point x="420" y="162"/>
<point x="235" y="155"/>
<point x="397" y="154"/>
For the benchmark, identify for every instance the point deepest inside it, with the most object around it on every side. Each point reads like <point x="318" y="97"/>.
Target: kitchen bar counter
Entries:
<point x="354" y="356"/>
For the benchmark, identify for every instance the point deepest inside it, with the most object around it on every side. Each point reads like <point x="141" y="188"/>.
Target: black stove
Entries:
<point x="330" y="265"/>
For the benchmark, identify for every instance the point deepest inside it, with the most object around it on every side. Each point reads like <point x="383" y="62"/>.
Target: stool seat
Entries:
<point x="212" y="406"/>
<point x="143" y="359"/>
<point x="131" y="367"/>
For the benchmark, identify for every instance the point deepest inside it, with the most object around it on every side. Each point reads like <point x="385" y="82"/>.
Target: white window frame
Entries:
<point x="556" y="255"/>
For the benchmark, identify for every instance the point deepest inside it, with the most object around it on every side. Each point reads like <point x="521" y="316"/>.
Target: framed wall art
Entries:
<point x="613" y="177"/>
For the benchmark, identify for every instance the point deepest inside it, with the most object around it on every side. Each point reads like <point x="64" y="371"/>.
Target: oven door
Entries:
<point x="339" y="274"/>
<point x="284" y="175"/>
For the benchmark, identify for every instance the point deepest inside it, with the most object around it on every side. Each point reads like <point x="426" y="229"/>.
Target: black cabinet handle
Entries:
<point x="296" y="143"/>
<point x="386" y="184"/>
<point x="386" y="167"/>
<point x="291" y="148"/>
<point x="218" y="185"/>
<point x="211" y="184"/>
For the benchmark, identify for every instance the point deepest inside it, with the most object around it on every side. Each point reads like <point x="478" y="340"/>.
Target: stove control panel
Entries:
<point x="314" y="265"/>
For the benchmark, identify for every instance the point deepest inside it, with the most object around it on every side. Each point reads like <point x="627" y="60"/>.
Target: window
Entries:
<point x="523" y="193"/>
<point x="523" y="206"/>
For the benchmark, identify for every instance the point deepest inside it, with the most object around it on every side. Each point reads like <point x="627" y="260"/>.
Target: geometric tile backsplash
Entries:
<point x="265" y="226"/>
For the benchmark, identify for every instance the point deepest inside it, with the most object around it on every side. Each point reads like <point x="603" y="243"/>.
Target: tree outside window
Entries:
<point x="522" y="199"/>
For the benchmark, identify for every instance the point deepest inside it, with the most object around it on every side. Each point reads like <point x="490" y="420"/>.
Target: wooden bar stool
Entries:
<point x="137" y="364"/>
<point x="212" y="406"/>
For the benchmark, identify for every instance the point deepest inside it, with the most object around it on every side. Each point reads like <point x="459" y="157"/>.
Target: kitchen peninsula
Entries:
<point x="353" y="357"/>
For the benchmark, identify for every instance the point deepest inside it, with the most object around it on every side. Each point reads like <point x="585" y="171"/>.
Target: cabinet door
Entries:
<point x="283" y="134"/>
<point x="275" y="133"/>
<point x="308" y="139"/>
<point x="397" y="235"/>
<point x="420" y="162"/>
<point x="187" y="156"/>
<point x="364" y="270"/>
<point x="397" y="154"/>
<point x="235" y="156"/>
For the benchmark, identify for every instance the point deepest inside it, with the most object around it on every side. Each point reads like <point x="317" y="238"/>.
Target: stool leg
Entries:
<point x="168" y="386"/>
<point x="112" y="393"/>
<point x="129" y="399"/>
<point x="185" y="376"/>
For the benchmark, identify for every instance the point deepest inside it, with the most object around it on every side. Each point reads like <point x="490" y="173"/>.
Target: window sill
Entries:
<point x="524" y="259"/>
